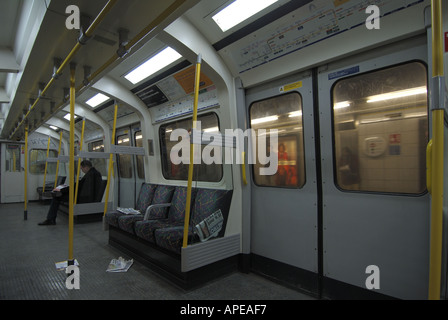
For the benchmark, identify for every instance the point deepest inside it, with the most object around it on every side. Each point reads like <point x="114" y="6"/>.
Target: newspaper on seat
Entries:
<point x="128" y="210"/>
<point x="210" y="226"/>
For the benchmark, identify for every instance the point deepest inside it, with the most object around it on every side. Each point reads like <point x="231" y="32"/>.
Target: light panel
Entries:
<point x="239" y="11"/>
<point x="97" y="100"/>
<point x="154" y="64"/>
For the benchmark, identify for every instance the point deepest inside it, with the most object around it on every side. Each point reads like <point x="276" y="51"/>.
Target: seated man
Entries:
<point x="88" y="191"/>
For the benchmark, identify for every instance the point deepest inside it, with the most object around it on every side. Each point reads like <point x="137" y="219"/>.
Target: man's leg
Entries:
<point x="52" y="212"/>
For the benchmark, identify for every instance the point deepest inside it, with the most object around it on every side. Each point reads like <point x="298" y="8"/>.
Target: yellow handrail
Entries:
<point x="111" y="159"/>
<point x="191" y="166"/>
<point x="25" y="194"/>
<point x="429" y="166"/>
<point x="69" y="57"/>
<point x="79" y="160"/>
<point x="71" y="165"/>
<point x="153" y="24"/>
<point x="437" y="155"/>
<point x="57" y="164"/>
<point x="46" y="163"/>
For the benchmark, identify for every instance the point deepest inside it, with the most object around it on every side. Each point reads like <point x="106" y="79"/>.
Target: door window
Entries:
<point x="124" y="160"/>
<point x="283" y="113"/>
<point x="381" y="130"/>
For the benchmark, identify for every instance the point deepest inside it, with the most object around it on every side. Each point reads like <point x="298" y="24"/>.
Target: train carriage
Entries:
<point x="301" y="141"/>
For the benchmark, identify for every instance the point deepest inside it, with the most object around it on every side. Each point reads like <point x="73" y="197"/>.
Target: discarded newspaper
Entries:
<point x="119" y="265"/>
<point x="210" y="226"/>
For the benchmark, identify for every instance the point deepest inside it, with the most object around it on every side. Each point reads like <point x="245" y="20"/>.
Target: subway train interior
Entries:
<point x="297" y="144"/>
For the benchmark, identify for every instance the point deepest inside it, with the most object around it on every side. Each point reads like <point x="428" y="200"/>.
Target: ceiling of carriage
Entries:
<point x="33" y="34"/>
<point x="36" y="35"/>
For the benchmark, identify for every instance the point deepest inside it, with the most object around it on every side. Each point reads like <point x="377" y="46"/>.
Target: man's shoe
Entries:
<point x="48" y="223"/>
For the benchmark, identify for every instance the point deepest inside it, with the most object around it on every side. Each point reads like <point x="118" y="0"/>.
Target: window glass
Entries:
<point x="124" y="160"/>
<point x="12" y="158"/>
<point x="99" y="164"/>
<point x="283" y="113"/>
<point x="202" y="172"/>
<point x="381" y="130"/>
<point x="37" y="161"/>
<point x="138" y="137"/>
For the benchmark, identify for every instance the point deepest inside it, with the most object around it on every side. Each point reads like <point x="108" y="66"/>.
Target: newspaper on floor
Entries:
<point x="119" y="265"/>
<point x="128" y="210"/>
<point x="210" y="226"/>
<point x="63" y="265"/>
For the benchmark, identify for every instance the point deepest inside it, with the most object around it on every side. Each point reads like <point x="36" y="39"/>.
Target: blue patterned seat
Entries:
<point x="206" y="202"/>
<point x="145" y="229"/>
<point x="161" y="194"/>
<point x="145" y="198"/>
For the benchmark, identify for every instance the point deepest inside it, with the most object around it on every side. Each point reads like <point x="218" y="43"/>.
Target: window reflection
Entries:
<point x="381" y="130"/>
<point x="283" y="113"/>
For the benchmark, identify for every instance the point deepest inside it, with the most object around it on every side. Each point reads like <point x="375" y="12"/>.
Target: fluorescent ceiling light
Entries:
<point x="67" y="116"/>
<point x="238" y="11"/>
<point x="296" y="114"/>
<point x="398" y="94"/>
<point x="154" y="64"/>
<point x="96" y="100"/>
<point x="264" y="120"/>
<point x="54" y="128"/>
<point x="341" y="105"/>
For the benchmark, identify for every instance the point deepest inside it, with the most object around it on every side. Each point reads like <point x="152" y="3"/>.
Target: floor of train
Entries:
<point x="28" y="254"/>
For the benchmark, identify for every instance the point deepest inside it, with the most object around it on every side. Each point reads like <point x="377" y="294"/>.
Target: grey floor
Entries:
<point x="28" y="253"/>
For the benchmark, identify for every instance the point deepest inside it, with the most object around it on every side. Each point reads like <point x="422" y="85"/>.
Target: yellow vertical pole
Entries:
<point x="437" y="156"/>
<point x="57" y="165"/>
<point x="191" y="166"/>
<point x="71" y="165"/>
<point x="25" y="213"/>
<point x="46" y="163"/>
<point x="111" y="159"/>
<point x="79" y="160"/>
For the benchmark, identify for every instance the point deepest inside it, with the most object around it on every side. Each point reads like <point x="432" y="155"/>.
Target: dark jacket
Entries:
<point x="90" y="187"/>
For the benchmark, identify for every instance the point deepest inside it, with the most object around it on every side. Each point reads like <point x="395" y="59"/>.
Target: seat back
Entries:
<point x="208" y="201"/>
<point x="162" y="194"/>
<point x="145" y="197"/>
<point x="176" y="212"/>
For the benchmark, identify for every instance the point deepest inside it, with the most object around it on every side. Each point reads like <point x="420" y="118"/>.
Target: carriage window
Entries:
<point x="138" y="140"/>
<point x="38" y="159"/>
<point x="283" y="113"/>
<point x="202" y="172"/>
<point x="99" y="164"/>
<point x="381" y="130"/>
<point x="12" y="158"/>
<point x="124" y="160"/>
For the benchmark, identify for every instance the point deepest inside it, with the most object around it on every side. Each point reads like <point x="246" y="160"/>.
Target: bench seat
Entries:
<point x="161" y="227"/>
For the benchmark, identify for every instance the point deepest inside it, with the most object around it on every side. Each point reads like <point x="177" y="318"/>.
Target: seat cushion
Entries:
<point x="171" y="238"/>
<point x="145" y="229"/>
<point x="126" y="222"/>
<point x="112" y="218"/>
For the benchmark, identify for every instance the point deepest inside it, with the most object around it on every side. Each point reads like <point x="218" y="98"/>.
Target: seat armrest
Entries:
<point x="153" y="206"/>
